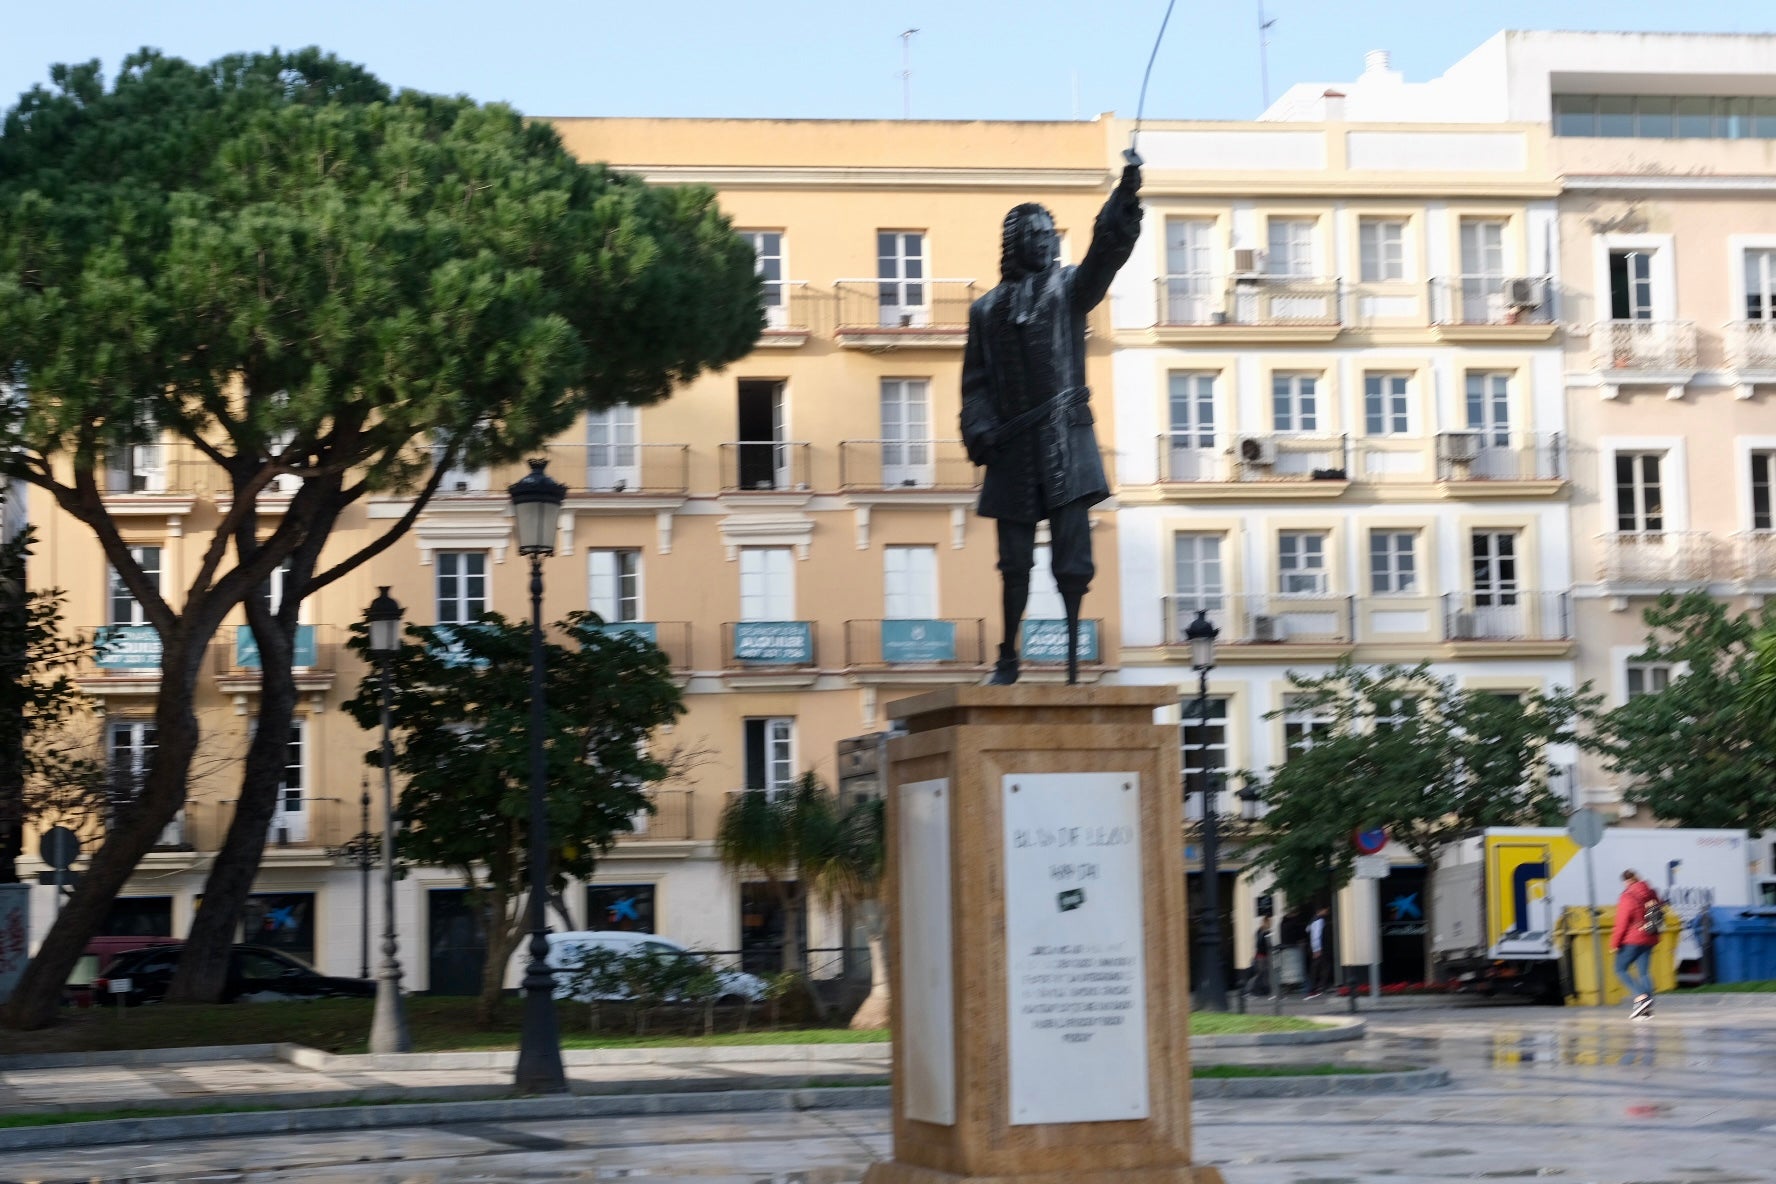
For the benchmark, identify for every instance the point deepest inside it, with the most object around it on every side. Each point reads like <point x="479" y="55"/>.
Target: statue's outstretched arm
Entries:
<point x="1114" y="234"/>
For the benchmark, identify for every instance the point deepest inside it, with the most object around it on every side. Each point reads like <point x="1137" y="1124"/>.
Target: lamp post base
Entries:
<point x="388" y="1026"/>
<point x="539" y="1069"/>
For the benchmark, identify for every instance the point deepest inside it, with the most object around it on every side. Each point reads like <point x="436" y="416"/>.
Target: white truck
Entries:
<point x="1497" y="895"/>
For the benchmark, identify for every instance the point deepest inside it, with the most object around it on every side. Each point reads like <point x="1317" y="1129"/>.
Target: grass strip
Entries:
<point x="1762" y="987"/>
<point x="1319" y="1070"/>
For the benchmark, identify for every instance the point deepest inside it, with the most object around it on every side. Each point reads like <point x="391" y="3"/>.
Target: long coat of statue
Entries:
<point x="1026" y="412"/>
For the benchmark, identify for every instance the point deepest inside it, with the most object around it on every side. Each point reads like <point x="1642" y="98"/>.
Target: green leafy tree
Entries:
<point x="460" y="709"/>
<point x="1702" y="751"/>
<point x="846" y="869"/>
<point x="293" y="272"/>
<point x="1404" y="749"/>
<point x="43" y="775"/>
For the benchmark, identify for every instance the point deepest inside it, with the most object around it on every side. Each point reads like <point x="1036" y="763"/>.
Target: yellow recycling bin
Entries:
<point x="1573" y="937"/>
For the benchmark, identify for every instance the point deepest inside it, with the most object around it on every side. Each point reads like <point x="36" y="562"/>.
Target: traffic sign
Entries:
<point x="1370" y="842"/>
<point x="1585" y="825"/>
<point x="1373" y="867"/>
<point x="59" y="847"/>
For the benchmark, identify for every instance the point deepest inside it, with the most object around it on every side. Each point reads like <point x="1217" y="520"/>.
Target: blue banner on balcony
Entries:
<point x="246" y="647"/>
<point x="127" y="647"/>
<point x="918" y="641"/>
<point x="645" y="630"/>
<point x="789" y="643"/>
<point x="1046" y="641"/>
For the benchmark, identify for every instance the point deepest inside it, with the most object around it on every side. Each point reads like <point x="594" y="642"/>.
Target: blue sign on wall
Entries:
<point x="642" y="629"/>
<point x="788" y="643"/>
<point x="1046" y="641"/>
<point x="918" y="641"/>
<point x="246" y="647"/>
<point x="127" y="647"/>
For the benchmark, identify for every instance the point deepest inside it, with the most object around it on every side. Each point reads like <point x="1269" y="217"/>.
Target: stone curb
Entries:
<point x="206" y="1126"/>
<point x="1340" y="1028"/>
<point x="1401" y="1081"/>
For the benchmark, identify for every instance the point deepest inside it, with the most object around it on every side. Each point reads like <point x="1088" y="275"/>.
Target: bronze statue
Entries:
<point x="1026" y="411"/>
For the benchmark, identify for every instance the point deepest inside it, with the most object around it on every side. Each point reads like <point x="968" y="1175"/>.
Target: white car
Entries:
<point x="566" y="949"/>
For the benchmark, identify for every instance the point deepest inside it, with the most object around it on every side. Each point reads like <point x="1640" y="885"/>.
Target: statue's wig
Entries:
<point x="1011" y="240"/>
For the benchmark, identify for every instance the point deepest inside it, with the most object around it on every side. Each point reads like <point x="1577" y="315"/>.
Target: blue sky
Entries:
<point x="972" y="59"/>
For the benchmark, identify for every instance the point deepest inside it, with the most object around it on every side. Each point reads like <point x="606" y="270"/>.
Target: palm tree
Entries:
<point x="1761" y="694"/>
<point x="774" y="833"/>
<point x="848" y="870"/>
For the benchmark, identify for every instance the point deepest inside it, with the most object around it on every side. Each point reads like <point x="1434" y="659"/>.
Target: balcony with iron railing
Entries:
<point x="1249" y="307"/>
<point x="1479" y="456"/>
<point x="769" y="647"/>
<point x="672" y="638"/>
<point x="1655" y="558"/>
<point x="303" y="826"/>
<point x="1751" y="349"/>
<point x="955" y="646"/>
<point x="791" y="313"/>
<point x="1655" y="352"/>
<point x="886" y="314"/>
<point x="668" y="822"/>
<point x="881" y="466"/>
<point x="1264" y="620"/>
<point x="1507" y="616"/>
<point x="150" y="477"/>
<point x="763" y="466"/>
<point x="1492" y="307"/>
<point x="236" y="661"/>
<point x="1199" y="458"/>
<point x="615" y="470"/>
<point x="1755" y="555"/>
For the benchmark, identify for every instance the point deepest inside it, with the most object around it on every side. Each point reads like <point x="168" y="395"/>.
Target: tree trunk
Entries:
<point x="39" y="991"/>
<point x="14" y="619"/>
<point x="203" y="967"/>
<point x="876" y="1008"/>
<point x="502" y="943"/>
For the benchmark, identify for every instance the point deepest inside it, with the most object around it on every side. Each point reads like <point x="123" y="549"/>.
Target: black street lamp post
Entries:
<point x="364" y="879"/>
<point x="1213" y="991"/>
<point x="536" y="506"/>
<point x="388" y="1025"/>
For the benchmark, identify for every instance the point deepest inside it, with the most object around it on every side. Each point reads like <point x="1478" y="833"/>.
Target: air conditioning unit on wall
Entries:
<point x="1460" y="447"/>
<point x="1523" y="292"/>
<point x="1245" y="261"/>
<point x="1269" y="629"/>
<point x="1464" y="626"/>
<point x="1257" y="451"/>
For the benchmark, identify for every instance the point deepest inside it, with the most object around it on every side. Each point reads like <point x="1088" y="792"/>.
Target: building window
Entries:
<point x="767" y="252"/>
<point x="900" y="276"/>
<point x="1381" y="249"/>
<point x="764" y="459"/>
<point x="1192" y="410"/>
<point x="767" y="584"/>
<point x="909" y="583"/>
<point x="1301" y="563"/>
<point x="125" y="610"/>
<point x="1393" y="562"/>
<point x="1290" y="248"/>
<point x="1639" y="503"/>
<point x="1191" y="294"/>
<point x="906" y="432"/>
<point x="1301" y="723"/>
<point x="770" y="753"/>
<point x="1763" y="477"/>
<point x="612" y="449"/>
<point x="462" y="585"/>
<point x="1631" y="285"/>
<point x="129" y="747"/>
<point x="1295" y="402"/>
<point x="1495" y="568"/>
<point x="1489" y="407"/>
<point x="1386" y="405"/>
<point x="458" y="478"/>
<point x="614" y="583"/>
<point x="1660" y="117"/>
<point x="1197" y="576"/>
<point x="1760" y="285"/>
<point x="1646" y="678"/>
<point x="290" y="818"/>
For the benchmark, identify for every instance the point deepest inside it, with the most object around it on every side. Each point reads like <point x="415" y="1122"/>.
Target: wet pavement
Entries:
<point x="1537" y="1094"/>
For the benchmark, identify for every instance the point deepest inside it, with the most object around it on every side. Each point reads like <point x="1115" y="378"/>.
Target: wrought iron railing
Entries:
<point x="1492" y="300"/>
<point x="1657" y="557"/>
<point x="1507" y="616"/>
<point x="927" y="306"/>
<point x="867" y="465"/>
<point x="1751" y="345"/>
<point x="1649" y="346"/>
<point x="658" y="469"/>
<point x="944" y="643"/>
<point x="1263" y="619"/>
<point x="760" y="465"/>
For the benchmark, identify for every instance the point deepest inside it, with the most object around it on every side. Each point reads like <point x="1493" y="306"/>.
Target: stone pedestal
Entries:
<point x="1037" y="940"/>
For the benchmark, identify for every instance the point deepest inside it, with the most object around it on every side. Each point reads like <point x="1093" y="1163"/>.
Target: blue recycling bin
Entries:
<point x="1744" y="943"/>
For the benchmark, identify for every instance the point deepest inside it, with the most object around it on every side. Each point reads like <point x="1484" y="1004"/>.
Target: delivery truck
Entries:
<point x="1498" y="896"/>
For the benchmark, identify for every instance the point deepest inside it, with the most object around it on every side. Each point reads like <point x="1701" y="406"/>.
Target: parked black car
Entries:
<point x="255" y="974"/>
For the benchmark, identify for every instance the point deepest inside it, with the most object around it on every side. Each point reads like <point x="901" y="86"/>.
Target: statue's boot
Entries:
<point x="1014" y="593"/>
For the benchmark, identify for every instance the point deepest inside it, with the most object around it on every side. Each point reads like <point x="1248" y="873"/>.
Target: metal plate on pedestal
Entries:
<point x="1074" y="948"/>
<point x="927" y="980"/>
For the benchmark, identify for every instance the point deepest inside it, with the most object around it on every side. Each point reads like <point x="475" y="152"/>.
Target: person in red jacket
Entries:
<point x="1633" y="942"/>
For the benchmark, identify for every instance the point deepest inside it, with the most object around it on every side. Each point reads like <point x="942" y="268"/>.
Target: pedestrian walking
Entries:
<point x="1319" y="958"/>
<point x="1640" y="918"/>
<point x="1258" y="977"/>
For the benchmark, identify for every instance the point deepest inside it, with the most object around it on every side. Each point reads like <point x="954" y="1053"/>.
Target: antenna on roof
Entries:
<point x="906" y="73"/>
<point x="1264" y="53"/>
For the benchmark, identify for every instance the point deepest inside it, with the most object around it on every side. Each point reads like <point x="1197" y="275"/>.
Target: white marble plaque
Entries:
<point x="1075" y="972"/>
<point x="928" y="999"/>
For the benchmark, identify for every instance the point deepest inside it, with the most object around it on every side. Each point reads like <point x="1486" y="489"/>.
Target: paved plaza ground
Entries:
<point x="1537" y="1094"/>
